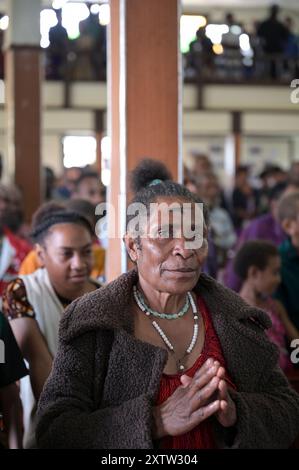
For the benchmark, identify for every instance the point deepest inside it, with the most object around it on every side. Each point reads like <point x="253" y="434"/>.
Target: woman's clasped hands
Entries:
<point x="197" y="399"/>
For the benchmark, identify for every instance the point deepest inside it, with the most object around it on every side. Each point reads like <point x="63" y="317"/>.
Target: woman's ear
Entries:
<point x="252" y="272"/>
<point x="40" y="253"/>
<point x="287" y="225"/>
<point x="132" y="247"/>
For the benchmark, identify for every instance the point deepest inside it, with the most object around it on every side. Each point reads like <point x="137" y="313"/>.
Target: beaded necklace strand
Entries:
<point x="139" y="299"/>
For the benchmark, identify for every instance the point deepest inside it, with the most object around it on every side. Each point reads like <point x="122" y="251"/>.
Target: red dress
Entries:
<point x="200" y="437"/>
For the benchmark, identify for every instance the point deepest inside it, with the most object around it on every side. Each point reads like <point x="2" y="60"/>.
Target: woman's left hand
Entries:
<point x="227" y="416"/>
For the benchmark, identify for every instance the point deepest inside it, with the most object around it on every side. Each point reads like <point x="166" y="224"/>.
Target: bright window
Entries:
<point x="72" y="13"/>
<point x="189" y="25"/>
<point x="79" y="151"/>
<point x="48" y="19"/>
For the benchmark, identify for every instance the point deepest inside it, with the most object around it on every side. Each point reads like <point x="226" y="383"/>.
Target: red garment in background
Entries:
<point x="200" y="437"/>
<point x="20" y="249"/>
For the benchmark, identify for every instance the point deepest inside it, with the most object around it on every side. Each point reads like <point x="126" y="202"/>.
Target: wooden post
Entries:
<point x="144" y="99"/>
<point x="23" y="80"/>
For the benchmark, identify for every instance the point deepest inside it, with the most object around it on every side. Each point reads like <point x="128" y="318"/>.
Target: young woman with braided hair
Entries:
<point x="35" y="303"/>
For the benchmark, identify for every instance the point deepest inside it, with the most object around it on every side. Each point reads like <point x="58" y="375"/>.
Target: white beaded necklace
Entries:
<point x="167" y="342"/>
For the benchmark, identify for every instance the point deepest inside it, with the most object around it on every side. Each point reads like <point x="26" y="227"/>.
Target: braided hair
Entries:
<point x="46" y="217"/>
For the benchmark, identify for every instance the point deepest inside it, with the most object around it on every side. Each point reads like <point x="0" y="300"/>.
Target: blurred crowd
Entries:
<point x="254" y="240"/>
<point x="83" y="58"/>
<point x="269" y="51"/>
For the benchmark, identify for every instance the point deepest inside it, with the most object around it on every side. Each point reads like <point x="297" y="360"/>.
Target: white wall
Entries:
<point x="257" y="151"/>
<point x="236" y="97"/>
<point x="295" y="148"/>
<point x="52" y="152"/>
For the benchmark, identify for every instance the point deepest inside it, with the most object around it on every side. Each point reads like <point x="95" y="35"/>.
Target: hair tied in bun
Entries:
<point x="155" y="181"/>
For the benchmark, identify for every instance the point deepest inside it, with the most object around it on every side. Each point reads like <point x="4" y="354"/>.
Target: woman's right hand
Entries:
<point x="190" y="404"/>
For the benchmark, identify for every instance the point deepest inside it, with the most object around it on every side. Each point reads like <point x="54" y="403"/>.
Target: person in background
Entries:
<point x="164" y="356"/>
<point x="201" y="56"/>
<point x="244" y="199"/>
<point x="87" y="209"/>
<point x="49" y="183"/>
<point x="221" y="227"/>
<point x="84" y="46"/>
<point x="91" y="48"/>
<point x="274" y="36"/>
<point x="287" y="291"/>
<point x="15" y="214"/>
<point x="13" y="249"/>
<point x="258" y="264"/>
<point x="199" y="163"/>
<point x="31" y="263"/>
<point x="35" y="303"/>
<point x="89" y="187"/>
<point x="12" y="369"/>
<point x="265" y="227"/>
<point x="292" y="45"/>
<point x="270" y="177"/>
<point x="210" y="266"/>
<point x="230" y="40"/>
<point x="188" y="179"/>
<point x="293" y="175"/>
<point x="57" y="50"/>
<point x="66" y="187"/>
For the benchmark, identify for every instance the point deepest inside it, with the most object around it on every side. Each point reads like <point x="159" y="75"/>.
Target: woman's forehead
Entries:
<point x="62" y="231"/>
<point x="175" y="210"/>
